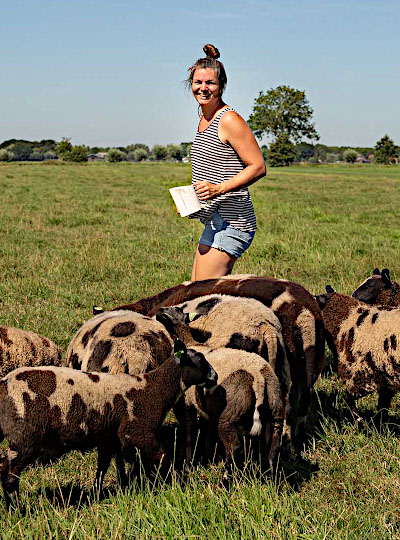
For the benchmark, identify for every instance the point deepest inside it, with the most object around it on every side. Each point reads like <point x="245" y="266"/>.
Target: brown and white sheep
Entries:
<point x="379" y="289"/>
<point x="119" y="342"/>
<point x="235" y="322"/>
<point x="366" y="341"/>
<point x="48" y="411"/>
<point x="246" y="401"/>
<point x="23" y="348"/>
<point x="297" y="311"/>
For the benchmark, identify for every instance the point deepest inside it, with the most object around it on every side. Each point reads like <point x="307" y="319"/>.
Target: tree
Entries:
<point x="350" y="155"/>
<point x="77" y="154"/>
<point x="159" y="152"/>
<point x="386" y="151"/>
<point x="281" y="152"/>
<point x="174" y="152"/>
<point x="283" y="110"/>
<point x="63" y="147"/>
<point x="114" y="155"/>
<point x="6" y="155"/>
<point x="140" y="154"/>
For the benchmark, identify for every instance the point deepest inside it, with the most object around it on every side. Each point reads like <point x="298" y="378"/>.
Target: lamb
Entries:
<point x="48" y="411"/>
<point x="298" y="313"/>
<point x="23" y="348"/>
<point x="378" y="289"/>
<point x="119" y="342"/>
<point x="247" y="400"/>
<point x="365" y="341"/>
<point x="235" y="322"/>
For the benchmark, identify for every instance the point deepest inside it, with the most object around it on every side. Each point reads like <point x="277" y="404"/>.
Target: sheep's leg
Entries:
<point x="274" y="445"/>
<point x="121" y="473"/>
<point x="103" y="463"/>
<point x="351" y="402"/>
<point x="11" y="470"/>
<point x="385" y="398"/>
<point x="233" y="448"/>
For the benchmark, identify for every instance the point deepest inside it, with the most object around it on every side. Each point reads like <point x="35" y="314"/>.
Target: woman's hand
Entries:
<point x="205" y="190"/>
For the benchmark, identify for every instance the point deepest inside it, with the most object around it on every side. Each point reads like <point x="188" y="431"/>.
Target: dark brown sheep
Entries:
<point x="48" y="411"/>
<point x="297" y="311"/>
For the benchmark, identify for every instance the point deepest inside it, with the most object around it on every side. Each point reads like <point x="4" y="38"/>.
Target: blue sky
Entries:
<point x="110" y="73"/>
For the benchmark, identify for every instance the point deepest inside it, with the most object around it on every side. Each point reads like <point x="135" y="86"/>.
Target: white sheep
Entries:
<point x="23" y="348"/>
<point x="119" y="342"/>
<point x="366" y="343"/>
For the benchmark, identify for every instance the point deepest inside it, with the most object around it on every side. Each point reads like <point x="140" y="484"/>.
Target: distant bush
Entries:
<point x="140" y="154"/>
<point x="159" y="151"/>
<point x="174" y="152"/>
<point x="50" y="154"/>
<point x="6" y="155"/>
<point x="281" y="152"/>
<point x="350" y="155"/>
<point x="114" y="155"/>
<point x="331" y="157"/>
<point x="77" y="154"/>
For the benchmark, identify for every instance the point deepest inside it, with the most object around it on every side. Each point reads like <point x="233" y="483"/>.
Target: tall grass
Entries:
<point x="77" y="235"/>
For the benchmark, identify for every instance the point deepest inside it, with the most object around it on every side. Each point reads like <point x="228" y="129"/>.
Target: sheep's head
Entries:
<point x="322" y="299"/>
<point x="195" y="368"/>
<point x="371" y="288"/>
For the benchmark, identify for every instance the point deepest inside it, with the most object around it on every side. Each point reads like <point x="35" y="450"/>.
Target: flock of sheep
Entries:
<point x="235" y="357"/>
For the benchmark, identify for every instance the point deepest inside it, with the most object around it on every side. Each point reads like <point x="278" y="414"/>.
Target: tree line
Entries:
<point x="283" y="114"/>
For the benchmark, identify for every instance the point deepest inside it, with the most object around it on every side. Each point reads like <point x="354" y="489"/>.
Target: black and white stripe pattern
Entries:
<point x="215" y="162"/>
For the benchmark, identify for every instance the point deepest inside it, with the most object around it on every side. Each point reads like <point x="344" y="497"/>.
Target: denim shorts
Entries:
<point x="220" y="235"/>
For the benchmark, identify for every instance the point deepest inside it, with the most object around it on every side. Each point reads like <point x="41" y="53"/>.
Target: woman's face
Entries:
<point x="205" y="86"/>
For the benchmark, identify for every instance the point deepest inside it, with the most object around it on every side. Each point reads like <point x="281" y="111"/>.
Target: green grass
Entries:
<point x="77" y="235"/>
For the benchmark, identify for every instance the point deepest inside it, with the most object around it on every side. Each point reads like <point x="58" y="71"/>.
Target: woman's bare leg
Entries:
<point x="211" y="263"/>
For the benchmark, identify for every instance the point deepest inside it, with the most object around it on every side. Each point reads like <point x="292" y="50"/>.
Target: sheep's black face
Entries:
<point x="372" y="287"/>
<point x="170" y="317"/>
<point x="322" y="299"/>
<point x="198" y="371"/>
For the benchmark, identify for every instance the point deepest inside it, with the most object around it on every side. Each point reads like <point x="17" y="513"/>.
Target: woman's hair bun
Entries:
<point x="211" y="51"/>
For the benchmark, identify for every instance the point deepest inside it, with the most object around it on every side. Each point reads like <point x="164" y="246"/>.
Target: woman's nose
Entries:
<point x="204" y="85"/>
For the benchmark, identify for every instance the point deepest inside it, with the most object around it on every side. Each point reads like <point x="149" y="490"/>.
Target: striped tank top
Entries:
<point x="215" y="162"/>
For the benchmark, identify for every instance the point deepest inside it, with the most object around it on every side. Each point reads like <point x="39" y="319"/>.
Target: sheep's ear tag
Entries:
<point x="329" y="289"/>
<point x="192" y="316"/>
<point x="97" y="310"/>
<point x="178" y="354"/>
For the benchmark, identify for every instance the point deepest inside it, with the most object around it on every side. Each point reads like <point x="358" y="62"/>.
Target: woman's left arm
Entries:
<point x="234" y="130"/>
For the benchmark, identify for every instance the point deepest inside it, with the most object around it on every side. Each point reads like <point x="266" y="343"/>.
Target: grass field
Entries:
<point x="77" y="235"/>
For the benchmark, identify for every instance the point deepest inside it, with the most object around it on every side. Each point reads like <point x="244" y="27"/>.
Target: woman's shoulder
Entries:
<point x="231" y="121"/>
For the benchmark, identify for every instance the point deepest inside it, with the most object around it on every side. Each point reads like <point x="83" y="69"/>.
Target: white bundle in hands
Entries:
<point x="186" y="200"/>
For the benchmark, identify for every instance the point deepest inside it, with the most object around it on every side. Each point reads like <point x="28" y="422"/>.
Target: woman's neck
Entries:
<point x="209" y="111"/>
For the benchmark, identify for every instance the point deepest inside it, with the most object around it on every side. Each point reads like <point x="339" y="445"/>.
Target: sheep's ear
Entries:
<point x="321" y="299"/>
<point x="180" y="350"/>
<point x="376" y="272"/>
<point x="165" y="318"/>
<point x="97" y="310"/>
<point x="386" y="276"/>
<point x="190" y="317"/>
<point x="329" y="289"/>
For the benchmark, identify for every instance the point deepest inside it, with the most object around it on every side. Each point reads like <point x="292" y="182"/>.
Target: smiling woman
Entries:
<point x="226" y="159"/>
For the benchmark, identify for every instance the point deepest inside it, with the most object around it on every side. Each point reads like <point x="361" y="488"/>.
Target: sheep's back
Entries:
<point x="24" y="348"/>
<point x="119" y="342"/>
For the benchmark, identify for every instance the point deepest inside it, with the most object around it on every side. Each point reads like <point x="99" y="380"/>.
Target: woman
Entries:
<point x="225" y="160"/>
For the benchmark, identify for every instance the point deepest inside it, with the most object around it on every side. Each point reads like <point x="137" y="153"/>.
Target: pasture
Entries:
<point x="74" y="236"/>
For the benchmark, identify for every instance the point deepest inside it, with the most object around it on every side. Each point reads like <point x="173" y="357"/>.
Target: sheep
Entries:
<point x="378" y="289"/>
<point x="48" y="411"/>
<point x="23" y="348"/>
<point x="119" y="342"/>
<point x="298" y="313"/>
<point x="246" y="400"/>
<point x="235" y="322"/>
<point x="365" y="341"/>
